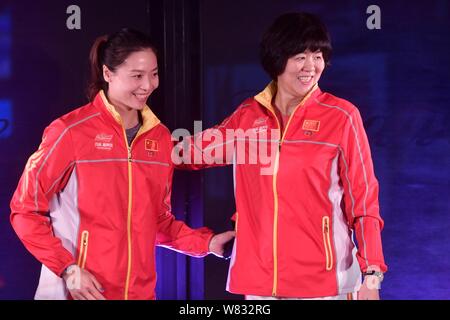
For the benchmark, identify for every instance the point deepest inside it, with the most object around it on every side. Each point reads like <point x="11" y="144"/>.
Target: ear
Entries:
<point x="106" y="74"/>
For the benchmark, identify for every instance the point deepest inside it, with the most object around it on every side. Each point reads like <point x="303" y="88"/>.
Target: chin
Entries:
<point x="137" y="106"/>
<point x="304" y="91"/>
<point x="301" y="93"/>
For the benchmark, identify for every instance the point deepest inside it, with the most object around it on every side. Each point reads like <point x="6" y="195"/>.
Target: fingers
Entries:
<point x="367" y="294"/>
<point x="85" y="294"/>
<point x="94" y="288"/>
<point x="77" y="295"/>
<point x="97" y="289"/>
<point x="97" y="295"/>
<point x="89" y="296"/>
<point x="90" y="293"/>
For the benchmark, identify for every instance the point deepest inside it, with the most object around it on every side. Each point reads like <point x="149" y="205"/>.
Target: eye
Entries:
<point x="155" y="74"/>
<point x="137" y="76"/>
<point x="299" y="58"/>
<point x="318" y="57"/>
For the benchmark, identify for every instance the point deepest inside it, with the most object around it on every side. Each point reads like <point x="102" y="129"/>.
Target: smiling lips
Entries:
<point x="142" y="97"/>
<point x="305" y="79"/>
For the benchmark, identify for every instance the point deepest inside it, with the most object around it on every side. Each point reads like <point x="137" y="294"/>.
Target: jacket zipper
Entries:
<point x="83" y="249"/>
<point x="327" y="243"/>
<point x="275" y="213"/>
<point x="130" y="202"/>
<point x="275" y="195"/>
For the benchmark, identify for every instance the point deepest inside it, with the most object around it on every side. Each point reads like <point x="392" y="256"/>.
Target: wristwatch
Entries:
<point x="373" y="279"/>
<point x="377" y="274"/>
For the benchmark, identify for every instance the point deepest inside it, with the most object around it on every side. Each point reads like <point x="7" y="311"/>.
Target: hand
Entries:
<point x="369" y="289"/>
<point x="82" y="285"/>
<point x="218" y="242"/>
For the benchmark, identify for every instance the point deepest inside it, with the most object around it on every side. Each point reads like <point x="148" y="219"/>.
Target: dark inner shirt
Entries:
<point x="131" y="133"/>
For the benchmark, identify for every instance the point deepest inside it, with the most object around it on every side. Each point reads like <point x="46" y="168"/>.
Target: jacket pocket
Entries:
<point x="84" y="243"/>
<point x="327" y="243"/>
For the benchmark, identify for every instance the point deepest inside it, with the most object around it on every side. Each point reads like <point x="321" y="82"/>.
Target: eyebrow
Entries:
<point x="138" y="70"/>
<point x="313" y="52"/>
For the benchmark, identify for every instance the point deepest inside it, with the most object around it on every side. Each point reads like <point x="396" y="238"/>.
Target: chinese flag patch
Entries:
<point x="311" y="125"/>
<point x="151" y="145"/>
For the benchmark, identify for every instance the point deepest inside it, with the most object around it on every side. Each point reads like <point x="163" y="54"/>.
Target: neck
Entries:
<point x="285" y="102"/>
<point x="128" y="116"/>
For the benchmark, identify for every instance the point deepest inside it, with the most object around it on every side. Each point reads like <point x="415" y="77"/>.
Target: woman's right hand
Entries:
<point x="82" y="285"/>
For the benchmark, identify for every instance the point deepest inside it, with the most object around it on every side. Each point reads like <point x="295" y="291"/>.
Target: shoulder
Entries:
<point x="248" y="106"/>
<point x="69" y="120"/>
<point x="233" y="119"/>
<point x="245" y="105"/>
<point x="339" y="105"/>
<point x="76" y="117"/>
<point x="164" y="131"/>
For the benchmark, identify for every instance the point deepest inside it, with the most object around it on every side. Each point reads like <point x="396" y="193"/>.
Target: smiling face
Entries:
<point x="130" y="85"/>
<point x="302" y="71"/>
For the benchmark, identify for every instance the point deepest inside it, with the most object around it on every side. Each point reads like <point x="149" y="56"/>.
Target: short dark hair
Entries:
<point x="291" y="34"/>
<point x="111" y="51"/>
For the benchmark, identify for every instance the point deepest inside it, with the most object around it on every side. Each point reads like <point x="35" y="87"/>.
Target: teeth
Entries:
<point x="305" y="79"/>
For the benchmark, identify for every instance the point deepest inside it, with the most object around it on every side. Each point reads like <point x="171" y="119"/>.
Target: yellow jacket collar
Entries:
<point x="148" y="117"/>
<point x="265" y="97"/>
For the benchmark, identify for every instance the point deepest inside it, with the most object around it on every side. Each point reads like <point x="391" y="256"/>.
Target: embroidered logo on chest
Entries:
<point x="260" y="125"/>
<point x="103" y="141"/>
<point x="260" y="121"/>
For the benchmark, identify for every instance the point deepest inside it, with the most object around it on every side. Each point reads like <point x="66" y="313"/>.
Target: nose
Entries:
<point x="149" y="83"/>
<point x="154" y="82"/>
<point x="309" y="64"/>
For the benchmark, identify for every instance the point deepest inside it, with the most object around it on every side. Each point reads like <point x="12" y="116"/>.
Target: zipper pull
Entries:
<point x="281" y="139"/>
<point x="325" y="227"/>
<point x="84" y="236"/>
<point x="129" y="154"/>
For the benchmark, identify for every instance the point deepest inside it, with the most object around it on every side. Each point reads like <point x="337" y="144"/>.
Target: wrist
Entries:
<point x="211" y="243"/>
<point x="373" y="267"/>
<point x="71" y="269"/>
<point x="72" y="277"/>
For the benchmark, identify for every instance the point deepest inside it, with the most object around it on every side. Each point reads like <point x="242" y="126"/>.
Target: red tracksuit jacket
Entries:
<point x="86" y="197"/>
<point x="297" y="214"/>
